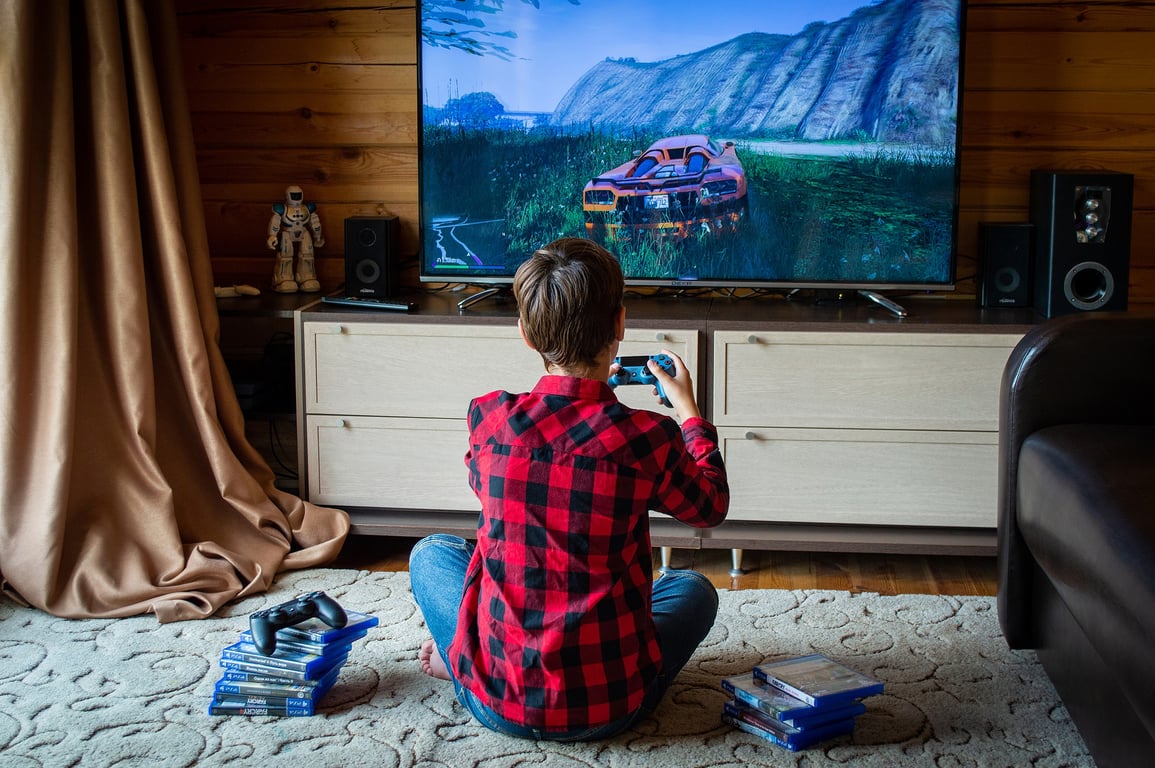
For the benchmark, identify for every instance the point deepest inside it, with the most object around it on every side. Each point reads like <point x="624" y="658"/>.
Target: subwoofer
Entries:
<point x="1082" y="240"/>
<point x="371" y="256"/>
<point x="1005" y="255"/>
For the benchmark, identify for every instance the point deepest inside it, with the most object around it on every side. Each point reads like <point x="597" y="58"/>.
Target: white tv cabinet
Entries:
<point x="844" y="428"/>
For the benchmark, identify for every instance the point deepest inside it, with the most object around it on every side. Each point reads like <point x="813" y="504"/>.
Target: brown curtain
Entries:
<point x="128" y="486"/>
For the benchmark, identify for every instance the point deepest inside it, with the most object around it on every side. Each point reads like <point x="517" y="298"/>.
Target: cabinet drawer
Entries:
<point x="937" y="381"/>
<point x="394" y="463"/>
<point x="410" y="370"/>
<point x="419" y="370"/>
<point x="870" y="477"/>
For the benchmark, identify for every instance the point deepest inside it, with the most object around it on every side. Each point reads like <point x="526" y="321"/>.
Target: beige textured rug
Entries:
<point x="134" y="692"/>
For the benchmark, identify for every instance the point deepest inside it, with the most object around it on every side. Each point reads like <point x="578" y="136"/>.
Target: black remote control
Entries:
<point x="370" y="302"/>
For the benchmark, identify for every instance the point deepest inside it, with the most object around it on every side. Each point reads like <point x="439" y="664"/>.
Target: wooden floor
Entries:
<point x="884" y="574"/>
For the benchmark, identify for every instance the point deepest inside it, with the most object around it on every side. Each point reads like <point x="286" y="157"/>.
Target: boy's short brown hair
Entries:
<point x="568" y="296"/>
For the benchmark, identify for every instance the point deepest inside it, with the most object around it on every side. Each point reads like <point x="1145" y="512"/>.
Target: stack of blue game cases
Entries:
<point x="295" y="677"/>
<point x="798" y="702"/>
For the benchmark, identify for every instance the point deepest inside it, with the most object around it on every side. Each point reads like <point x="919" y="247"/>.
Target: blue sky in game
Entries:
<point x="558" y="43"/>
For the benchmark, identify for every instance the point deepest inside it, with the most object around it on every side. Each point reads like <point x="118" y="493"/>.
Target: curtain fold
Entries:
<point x="128" y="485"/>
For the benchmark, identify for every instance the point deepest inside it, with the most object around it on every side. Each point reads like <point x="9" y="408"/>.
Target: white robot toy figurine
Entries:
<point x="295" y="221"/>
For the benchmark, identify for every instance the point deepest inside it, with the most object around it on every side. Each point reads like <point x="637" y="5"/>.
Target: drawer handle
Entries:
<point x="751" y="435"/>
<point x="661" y="336"/>
<point x="752" y="339"/>
<point x="341" y="423"/>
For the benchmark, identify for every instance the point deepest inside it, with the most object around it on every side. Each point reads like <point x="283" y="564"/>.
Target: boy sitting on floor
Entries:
<point x="552" y="626"/>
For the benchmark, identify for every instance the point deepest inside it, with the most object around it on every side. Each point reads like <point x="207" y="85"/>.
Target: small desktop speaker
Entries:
<point x="1082" y="240"/>
<point x="1005" y="255"/>
<point x="371" y="256"/>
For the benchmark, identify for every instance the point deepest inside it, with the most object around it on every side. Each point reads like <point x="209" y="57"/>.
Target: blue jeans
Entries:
<point x="685" y="605"/>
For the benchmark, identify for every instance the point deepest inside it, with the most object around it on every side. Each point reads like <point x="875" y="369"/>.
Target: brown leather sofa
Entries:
<point x="1076" y="525"/>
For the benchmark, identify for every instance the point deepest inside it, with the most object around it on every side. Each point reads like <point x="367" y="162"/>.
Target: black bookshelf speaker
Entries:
<point x="371" y="256"/>
<point x="1005" y="255"/>
<point x="1082" y="240"/>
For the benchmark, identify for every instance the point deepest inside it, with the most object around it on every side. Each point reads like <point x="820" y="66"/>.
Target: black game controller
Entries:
<point x="265" y="623"/>
<point x="635" y="371"/>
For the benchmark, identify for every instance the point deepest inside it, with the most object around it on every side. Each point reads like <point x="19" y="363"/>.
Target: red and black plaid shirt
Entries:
<point x="555" y="630"/>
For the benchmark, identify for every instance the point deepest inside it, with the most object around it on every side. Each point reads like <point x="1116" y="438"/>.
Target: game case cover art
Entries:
<point x="818" y="679"/>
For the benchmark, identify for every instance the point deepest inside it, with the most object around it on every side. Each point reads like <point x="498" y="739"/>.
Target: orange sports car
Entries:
<point x="680" y="186"/>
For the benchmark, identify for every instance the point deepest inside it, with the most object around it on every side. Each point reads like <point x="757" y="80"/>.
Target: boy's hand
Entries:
<point x="679" y="388"/>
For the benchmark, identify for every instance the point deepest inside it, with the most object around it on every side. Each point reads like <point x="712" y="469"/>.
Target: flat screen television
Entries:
<point x="735" y="143"/>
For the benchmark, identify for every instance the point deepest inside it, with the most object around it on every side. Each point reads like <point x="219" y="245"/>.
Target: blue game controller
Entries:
<point x="635" y="371"/>
<point x="264" y="624"/>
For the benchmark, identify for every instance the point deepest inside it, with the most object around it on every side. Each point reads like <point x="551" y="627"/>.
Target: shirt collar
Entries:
<point x="574" y="387"/>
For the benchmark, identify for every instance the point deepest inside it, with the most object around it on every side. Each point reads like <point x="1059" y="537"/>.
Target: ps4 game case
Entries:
<point x="249" y="663"/>
<point x="292" y="679"/>
<point x="818" y="680"/>
<point x="238" y="683"/>
<point x="316" y="631"/>
<point x="784" y="708"/>
<point x="236" y="698"/>
<point x="756" y="723"/>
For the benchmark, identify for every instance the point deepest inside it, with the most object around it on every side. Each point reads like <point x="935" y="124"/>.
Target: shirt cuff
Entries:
<point x="697" y="427"/>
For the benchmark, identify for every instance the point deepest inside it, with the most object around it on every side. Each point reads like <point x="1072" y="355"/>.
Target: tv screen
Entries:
<point x="733" y="143"/>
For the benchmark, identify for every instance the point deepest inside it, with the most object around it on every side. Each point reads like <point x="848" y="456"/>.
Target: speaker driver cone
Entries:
<point x="368" y="271"/>
<point x="1088" y="285"/>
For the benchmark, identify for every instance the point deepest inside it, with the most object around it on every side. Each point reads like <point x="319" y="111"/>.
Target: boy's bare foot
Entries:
<point x="431" y="662"/>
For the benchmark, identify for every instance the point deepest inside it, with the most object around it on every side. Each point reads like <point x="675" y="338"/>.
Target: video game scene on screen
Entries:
<point x="775" y="146"/>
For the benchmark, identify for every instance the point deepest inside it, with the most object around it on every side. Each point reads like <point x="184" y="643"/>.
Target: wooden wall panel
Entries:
<point x="1057" y="85"/>
<point x="322" y="93"/>
<point x="308" y="92"/>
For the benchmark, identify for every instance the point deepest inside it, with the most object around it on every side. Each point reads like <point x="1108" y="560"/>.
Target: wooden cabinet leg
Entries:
<point x="735" y="562"/>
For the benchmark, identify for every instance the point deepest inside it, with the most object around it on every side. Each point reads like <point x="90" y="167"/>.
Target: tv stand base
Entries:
<point x="468" y="301"/>
<point x="821" y="297"/>
<point x="884" y="302"/>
